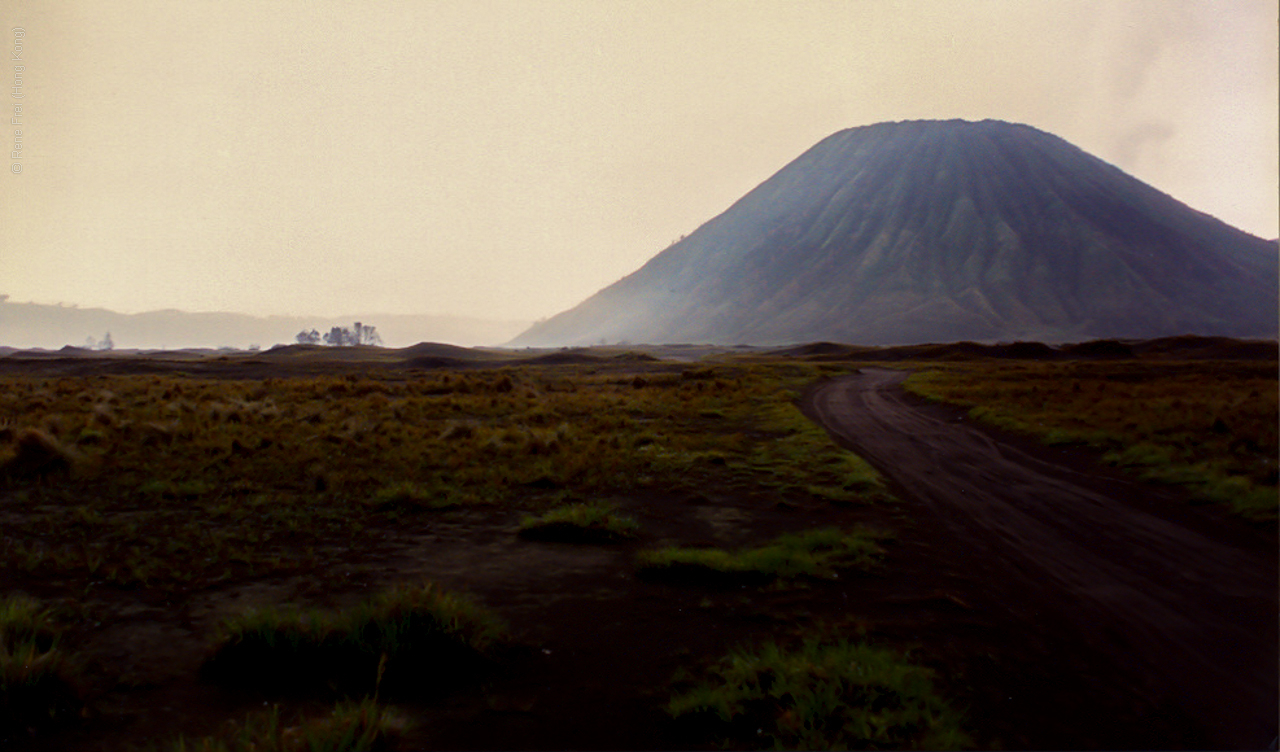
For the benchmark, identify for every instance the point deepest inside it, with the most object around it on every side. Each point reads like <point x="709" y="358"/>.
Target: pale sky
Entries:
<point x="508" y="159"/>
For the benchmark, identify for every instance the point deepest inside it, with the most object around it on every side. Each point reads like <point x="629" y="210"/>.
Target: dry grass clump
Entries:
<point x="37" y="454"/>
<point x="38" y="684"/>
<point x="365" y="726"/>
<point x="411" y="639"/>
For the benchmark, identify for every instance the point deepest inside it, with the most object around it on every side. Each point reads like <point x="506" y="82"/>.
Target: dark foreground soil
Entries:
<point x="1062" y="606"/>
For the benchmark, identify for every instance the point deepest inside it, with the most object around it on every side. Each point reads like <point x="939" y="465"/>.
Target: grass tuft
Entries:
<point x="819" y="696"/>
<point x="351" y="727"/>
<point x="412" y="497"/>
<point x="814" y="553"/>
<point x="411" y="640"/>
<point x="593" y="522"/>
<point x="37" y="679"/>
<point x="37" y="454"/>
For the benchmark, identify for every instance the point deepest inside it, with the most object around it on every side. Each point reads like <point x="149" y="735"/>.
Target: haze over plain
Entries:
<point x="507" y="160"/>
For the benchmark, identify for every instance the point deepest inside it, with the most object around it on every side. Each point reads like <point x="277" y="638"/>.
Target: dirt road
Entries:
<point x="1182" y="606"/>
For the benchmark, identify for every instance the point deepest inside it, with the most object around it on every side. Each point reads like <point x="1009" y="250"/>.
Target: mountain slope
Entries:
<point x="903" y="233"/>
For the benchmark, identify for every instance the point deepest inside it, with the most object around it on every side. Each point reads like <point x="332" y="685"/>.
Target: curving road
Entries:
<point x="1186" y="611"/>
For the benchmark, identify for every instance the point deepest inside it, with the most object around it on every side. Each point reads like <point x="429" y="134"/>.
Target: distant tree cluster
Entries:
<point x="103" y="344"/>
<point x="340" y="336"/>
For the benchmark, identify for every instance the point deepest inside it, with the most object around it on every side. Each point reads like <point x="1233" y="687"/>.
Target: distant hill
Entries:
<point x="940" y="231"/>
<point x="28" y="325"/>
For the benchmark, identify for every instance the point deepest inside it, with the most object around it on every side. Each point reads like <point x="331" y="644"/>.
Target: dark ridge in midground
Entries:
<point x="317" y="359"/>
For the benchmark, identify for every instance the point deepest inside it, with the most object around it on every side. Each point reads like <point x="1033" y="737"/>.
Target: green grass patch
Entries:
<point x="802" y="452"/>
<point x="814" y="554"/>
<point x="351" y="727"/>
<point x="593" y="522"/>
<point x="38" y="687"/>
<point x="839" y="695"/>
<point x="417" y="640"/>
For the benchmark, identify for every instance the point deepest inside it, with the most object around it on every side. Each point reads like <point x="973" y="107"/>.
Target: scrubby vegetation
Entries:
<point x="176" y="482"/>
<point x="1210" y="425"/>
<point x="815" y="553"/>
<point x="817" y="695"/>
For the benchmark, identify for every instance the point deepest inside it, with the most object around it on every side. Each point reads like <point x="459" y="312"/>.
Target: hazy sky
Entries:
<point x="508" y="159"/>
